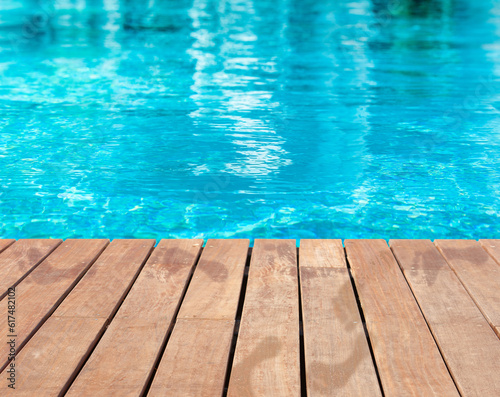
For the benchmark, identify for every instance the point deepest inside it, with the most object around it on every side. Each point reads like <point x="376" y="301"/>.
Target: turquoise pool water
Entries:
<point x="250" y="118"/>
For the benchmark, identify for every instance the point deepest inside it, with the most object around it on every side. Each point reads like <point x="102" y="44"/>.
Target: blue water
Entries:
<point x="250" y="118"/>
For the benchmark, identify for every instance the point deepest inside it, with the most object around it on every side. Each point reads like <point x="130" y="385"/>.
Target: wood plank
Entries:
<point x="107" y="282"/>
<point x="195" y="360"/>
<point x="337" y="356"/>
<point x="198" y="338"/>
<point x="417" y="255"/>
<point x="21" y="258"/>
<point x="492" y="247"/>
<point x="215" y="288"/>
<point x="6" y="243"/>
<point x="39" y="294"/>
<point x="267" y="357"/>
<point x="407" y="358"/>
<point x="478" y="272"/>
<point x="123" y="360"/>
<point x="467" y="342"/>
<point x="322" y="253"/>
<point x="54" y="353"/>
<point x="51" y="357"/>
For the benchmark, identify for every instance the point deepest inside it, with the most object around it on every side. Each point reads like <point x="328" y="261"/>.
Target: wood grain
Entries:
<point x="417" y="255"/>
<point x="478" y="272"/>
<point x="322" y="253"/>
<point x="469" y="346"/>
<point x="46" y="364"/>
<point x="492" y="247"/>
<point x="195" y="360"/>
<point x="104" y="286"/>
<point x="6" y="243"/>
<point x="215" y="288"/>
<point x="337" y="356"/>
<point x="431" y="323"/>
<point x="39" y="294"/>
<point x="21" y="258"/>
<point x="199" y="338"/>
<point x="408" y="360"/>
<point x="267" y="357"/>
<point x="123" y="360"/>
<point x="51" y="357"/>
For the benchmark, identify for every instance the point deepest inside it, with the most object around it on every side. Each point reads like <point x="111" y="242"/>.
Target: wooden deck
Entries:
<point x="126" y="318"/>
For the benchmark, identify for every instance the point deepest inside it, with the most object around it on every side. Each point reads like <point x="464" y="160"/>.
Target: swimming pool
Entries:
<point x="250" y="118"/>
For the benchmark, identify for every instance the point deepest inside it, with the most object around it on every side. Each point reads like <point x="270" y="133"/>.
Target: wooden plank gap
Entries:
<point x="6" y="243"/>
<point x="204" y="329"/>
<point x="237" y="323"/>
<point x="140" y="328"/>
<point x="408" y="359"/>
<point x="168" y="335"/>
<point x="302" y="350"/>
<point x="476" y="266"/>
<point x="266" y="361"/>
<point x="465" y="340"/>
<point x="425" y="261"/>
<point x="62" y="271"/>
<point x="21" y="258"/>
<point x="492" y="247"/>
<point x="363" y="321"/>
<point x="84" y="322"/>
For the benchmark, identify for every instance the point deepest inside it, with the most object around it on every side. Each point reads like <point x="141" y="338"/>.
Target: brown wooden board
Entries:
<point x="104" y="286"/>
<point x="420" y="314"/>
<point x="215" y="288"/>
<point x="45" y="365"/>
<point x="337" y="356"/>
<point x="6" y="243"/>
<point x="39" y="294"/>
<point x="123" y="360"/>
<point x="195" y="360"/>
<point x="267" y="357"/>
<point x="199" y="338"/>
<point x="469" y="346"/>
<point x="478" y="272"/>
<point x="407" y="358"/>
<point x="492" y="247"/>
<point x="54" y="354"/>
<point x="322" y="253"/>
<point x="417" y="255"/>
<point x="21" y="258"/>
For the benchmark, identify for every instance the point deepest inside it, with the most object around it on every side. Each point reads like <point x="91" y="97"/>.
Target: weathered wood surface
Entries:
<point x="51" y="358"/>
<point x="478" y="272"/>
<point x="195" y="360"/>
<point x="20" y="259"/>
<point x="341" y="364"/>
<point x="322" y="253"/>
<point x="408" y="360"/>
<point x="130" y="319"/>
<point x="267" y="357"/>
<point x="456" y="322"/>
<point x="203" y="333"/>
<point x="214" y="291"/>
<point x="5" y="243"/>
<point x="124" y="358"/>
<point x="39" y="294"/>
<point x="492" y="247"/>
